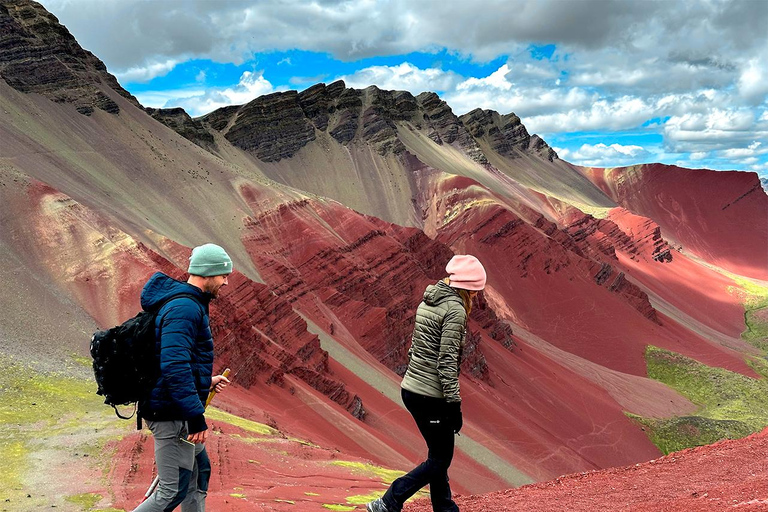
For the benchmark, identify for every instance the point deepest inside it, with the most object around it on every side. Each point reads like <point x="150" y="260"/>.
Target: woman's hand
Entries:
<point x="455" y="418"/>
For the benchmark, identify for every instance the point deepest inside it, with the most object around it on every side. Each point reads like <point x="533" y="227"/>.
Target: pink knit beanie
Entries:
<point x="466" y="272"/>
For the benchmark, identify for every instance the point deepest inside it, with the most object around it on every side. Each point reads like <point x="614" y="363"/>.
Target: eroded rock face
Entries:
<point x="505" y="134"/>
<point x="272" y="127"/>
<point x="447" y="128"/>
<point x="276" y="126"/>
<point x="542" y="247"/>
<point x="371" y="275"/>
<point x="636" y="236"/>
<point x="261" y="338"/>
<point x="38" y="54"/>
<point x="179" y="121"/>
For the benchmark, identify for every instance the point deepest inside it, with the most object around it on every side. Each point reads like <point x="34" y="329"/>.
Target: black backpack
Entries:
<point x="124" y="360"/>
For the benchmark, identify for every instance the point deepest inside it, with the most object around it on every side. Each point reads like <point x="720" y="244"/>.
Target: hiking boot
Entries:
<point x="376" y="506"/>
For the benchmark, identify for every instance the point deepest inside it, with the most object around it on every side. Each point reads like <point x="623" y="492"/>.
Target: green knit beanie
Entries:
<point x="209" y="260"/>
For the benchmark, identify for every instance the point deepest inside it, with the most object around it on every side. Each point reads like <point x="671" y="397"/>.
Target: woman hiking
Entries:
<point x="430" y="388"/>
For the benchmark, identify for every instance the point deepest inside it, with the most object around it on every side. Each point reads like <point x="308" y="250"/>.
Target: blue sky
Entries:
<point x="604" y="82"/>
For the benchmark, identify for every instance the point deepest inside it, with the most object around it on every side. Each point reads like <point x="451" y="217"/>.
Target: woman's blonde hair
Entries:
<point x="466" y="298"/>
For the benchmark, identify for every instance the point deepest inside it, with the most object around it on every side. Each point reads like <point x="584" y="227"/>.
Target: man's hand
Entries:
<point x="198" y="437"/>
<point x="219" y="382"/>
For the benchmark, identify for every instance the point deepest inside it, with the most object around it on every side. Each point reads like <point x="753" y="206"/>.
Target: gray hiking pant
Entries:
<point x="183" y="467"/>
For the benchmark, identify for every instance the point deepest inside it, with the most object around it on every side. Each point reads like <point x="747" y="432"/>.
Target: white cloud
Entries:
<point x="159" y="99"/>
<point x="525" y="98"/>
<point x="495" y="81"/>
<point x="753" y="81"/>
<point x="754" y="149"/>
<point x="714" y="129"/>
<point x="713" y="35"/>
<point x="601" y="114"/>
<point x="147" y="72"/>
<point x="251" y="85"/>
<point x="404" y="76"/>
<point x="602" y="155"/>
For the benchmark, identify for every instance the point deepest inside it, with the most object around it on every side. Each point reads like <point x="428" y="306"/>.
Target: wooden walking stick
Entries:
<point x="156" y="481"/>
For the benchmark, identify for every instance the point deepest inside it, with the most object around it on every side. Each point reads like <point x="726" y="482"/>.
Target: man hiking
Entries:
<point x="174" y="409"/>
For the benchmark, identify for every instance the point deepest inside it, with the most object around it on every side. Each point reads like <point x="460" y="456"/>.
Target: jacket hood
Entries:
<point x="160" y="287"/>
<point x="438" y="293"/>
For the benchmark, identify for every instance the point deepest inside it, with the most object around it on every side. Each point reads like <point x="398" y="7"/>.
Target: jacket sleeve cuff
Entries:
<point x="197" y="424"/>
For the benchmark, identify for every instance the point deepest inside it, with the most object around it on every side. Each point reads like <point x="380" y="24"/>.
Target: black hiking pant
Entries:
<point x="431" y="416"/>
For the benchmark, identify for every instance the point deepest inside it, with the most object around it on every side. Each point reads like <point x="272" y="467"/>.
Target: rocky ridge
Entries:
<point x="505" y="134"/>
<point x="276" y="126"/>
<point x="179" y="121"/>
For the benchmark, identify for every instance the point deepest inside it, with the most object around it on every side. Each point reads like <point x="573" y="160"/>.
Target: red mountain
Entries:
<point x="338" y="207"/>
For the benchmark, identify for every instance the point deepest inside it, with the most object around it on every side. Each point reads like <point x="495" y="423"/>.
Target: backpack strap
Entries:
<point x="126" y="417"/>
<point x="169" y="299"/>
<point x="178" y="296"/>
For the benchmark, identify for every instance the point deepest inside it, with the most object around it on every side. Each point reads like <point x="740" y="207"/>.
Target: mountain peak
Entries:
<point x="505" y="133"/>
<point x="277" y="125"/>
<point x="39" y="55"/>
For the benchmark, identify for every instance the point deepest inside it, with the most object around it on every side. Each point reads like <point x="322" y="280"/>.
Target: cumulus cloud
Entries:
<point x="251" y="85"/>
<point x="146" y="72"/>
<point x="718" y="31"/>
<point x="753" y="81"/>
<point x="715" y="129"/>
<point x="751" y="152"/>
<point x="602" y="155"/>
<point x="405" y="76"/>
<point x="503" y="91"/>
<point x="695" y="72"/>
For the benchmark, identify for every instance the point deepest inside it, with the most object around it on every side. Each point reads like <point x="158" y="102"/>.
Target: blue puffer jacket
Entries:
<point x="185" y="352"/>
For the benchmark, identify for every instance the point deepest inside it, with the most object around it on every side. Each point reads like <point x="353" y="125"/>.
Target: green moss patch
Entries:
<point x="687" y="431"/>
<point x="247" y="425"/>
<point x="731" y="405"/>
<point x="331" y="506"/>
<point x="55" y="414"/>
<point x="15" y="455"/>
<point x="362" y="499"/>
<point x="387" y="475"/>
<point x="86" y="501"/>
<point x="755" y="300"/>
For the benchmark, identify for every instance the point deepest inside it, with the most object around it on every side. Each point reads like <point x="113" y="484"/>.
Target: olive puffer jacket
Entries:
<point x="438" y="337"/>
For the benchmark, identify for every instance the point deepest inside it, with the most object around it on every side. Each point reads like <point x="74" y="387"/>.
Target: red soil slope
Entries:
<point x="550" y="289"/>
<point x="729" y="475"/>
<point x="718" y="216"/>
<point x="700" y="297"/>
